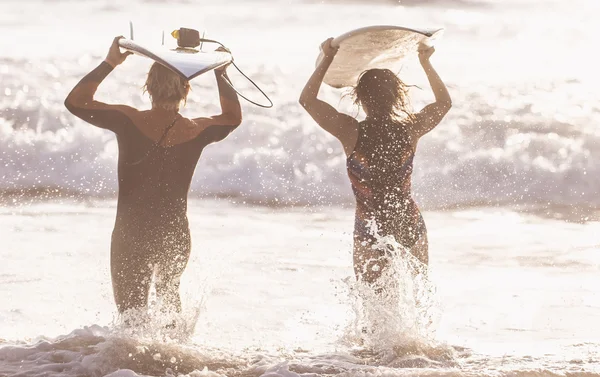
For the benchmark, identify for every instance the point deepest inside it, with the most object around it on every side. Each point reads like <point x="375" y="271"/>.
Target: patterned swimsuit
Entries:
<point x="380" y="169"/>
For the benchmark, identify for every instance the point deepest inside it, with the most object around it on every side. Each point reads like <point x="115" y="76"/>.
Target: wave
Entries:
<point x="511" y="138"/>
<point x="497" y="146"/>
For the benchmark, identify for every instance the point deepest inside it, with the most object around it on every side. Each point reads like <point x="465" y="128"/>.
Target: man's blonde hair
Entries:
<point x="166" y="88"/>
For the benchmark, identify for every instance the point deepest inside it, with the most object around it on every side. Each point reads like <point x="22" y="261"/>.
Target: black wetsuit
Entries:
<point x="151" y="230"/>
<point x="380" y="169"/>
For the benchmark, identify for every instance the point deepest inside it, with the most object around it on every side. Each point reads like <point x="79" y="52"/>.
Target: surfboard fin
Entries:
<point x="131" y="30"/>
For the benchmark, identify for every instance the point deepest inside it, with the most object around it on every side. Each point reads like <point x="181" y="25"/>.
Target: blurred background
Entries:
<point x="509" y="182"/>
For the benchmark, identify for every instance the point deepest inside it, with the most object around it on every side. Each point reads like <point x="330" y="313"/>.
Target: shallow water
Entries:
<point x="515" y="294"/>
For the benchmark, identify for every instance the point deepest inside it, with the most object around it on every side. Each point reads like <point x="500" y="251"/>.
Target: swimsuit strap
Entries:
<point x="164" y="135"/>
<point x="159" y="142"/>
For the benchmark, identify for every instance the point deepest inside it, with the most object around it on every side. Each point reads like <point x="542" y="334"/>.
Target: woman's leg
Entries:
<point x="415" y="239"/>
<point x="369" y="262"/>
<point x="420" y="250"/>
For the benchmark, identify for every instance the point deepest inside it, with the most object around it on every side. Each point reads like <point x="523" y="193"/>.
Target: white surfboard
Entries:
<point x="373" y="47"/>
<point x="186" y="62"/>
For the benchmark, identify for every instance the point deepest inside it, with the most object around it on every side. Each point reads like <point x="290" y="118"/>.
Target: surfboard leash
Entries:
<point x="195" y="37"/>
<point x="245" y="76"/>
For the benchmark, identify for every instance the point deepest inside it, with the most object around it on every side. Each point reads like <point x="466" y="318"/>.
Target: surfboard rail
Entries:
<point x="426" y="32"/>
<point x="177" y="58"/>
<point x="377" y="46"/>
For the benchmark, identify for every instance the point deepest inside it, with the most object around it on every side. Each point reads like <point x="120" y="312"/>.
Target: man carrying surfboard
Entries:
<point x="380" y="152"/>
<point x="158" y="152"/>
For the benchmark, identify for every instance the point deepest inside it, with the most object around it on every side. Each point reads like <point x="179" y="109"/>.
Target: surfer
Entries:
<point x="380" y="152"/>
<point x="158" y="152"/>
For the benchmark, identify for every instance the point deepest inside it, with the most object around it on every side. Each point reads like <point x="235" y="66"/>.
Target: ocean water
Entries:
<point x="509" y="182"/>
<point x="267" y="292"/>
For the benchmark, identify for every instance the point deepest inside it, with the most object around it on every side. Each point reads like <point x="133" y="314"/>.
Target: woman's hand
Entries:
<point x="425" y="53"/>
<point x="115" y="56"/>
<point x="328" y="50"/>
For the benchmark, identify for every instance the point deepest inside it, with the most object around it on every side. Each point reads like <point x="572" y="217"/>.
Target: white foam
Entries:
<point x="520" y="132"/>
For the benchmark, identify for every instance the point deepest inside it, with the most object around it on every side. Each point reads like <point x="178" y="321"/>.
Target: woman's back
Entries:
<point x="380" y="156"/>
<point x="381" y="165"/>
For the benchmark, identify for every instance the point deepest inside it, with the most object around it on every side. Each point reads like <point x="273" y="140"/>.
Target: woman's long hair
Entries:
<point x="166" y="88"/>
<point x="383" y="94"/>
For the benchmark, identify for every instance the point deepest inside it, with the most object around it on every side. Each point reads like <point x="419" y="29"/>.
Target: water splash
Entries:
<point x="395" y="318"/>
<point x="159" y="322"/>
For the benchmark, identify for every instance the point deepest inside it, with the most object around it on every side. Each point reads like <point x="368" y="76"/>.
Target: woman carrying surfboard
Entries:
<point x="380" y="152"/>
<point x="158" y="152"/>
